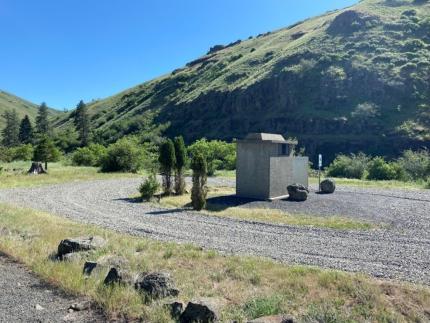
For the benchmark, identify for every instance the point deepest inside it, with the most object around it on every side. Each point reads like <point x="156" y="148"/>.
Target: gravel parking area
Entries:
<point x="399" y="250"/>
<point x="24" y="298"/>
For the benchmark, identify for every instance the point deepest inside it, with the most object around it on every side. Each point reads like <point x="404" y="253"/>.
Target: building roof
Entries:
<point x="269" y="137"/>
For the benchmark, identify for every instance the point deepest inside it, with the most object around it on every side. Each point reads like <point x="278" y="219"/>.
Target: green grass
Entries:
<point x="231" y="174"/>
<point x="15" y="175"/>
<point x="248" y="286"/>
<point x="266" y="214"/>
<point x="372" y="184"/>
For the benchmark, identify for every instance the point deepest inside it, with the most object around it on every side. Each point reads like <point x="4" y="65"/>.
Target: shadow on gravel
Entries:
<point x="130" y="199"/>
<point x="221" y="203"/>
<point x="167" y="211"/>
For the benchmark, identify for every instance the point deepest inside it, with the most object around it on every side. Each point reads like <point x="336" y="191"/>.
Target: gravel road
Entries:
<point x="24" y="298"/>
<point x="401" y="250"/>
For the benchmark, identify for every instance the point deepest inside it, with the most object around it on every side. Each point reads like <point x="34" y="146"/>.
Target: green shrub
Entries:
<point x="352" y="166"/>
<point x="123" y="156"/>
<point x="199" y="190"/>
<point x="6" y="154"/>
<point x="427" y="183"/>
<point x="379" y="169"/>
<point x="23" y="152"/>
<point x="218" y="154"/>
<point x="167" y="160"/>
<point x="92" y="155"/>
<point x="149" y="187"/>
<point x="416" y="164"/>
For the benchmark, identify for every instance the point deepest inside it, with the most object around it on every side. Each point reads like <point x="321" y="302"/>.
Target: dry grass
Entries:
<point x="249" y="286"/>
<point x="266" y="214"/>
<point x="15" y="175"/>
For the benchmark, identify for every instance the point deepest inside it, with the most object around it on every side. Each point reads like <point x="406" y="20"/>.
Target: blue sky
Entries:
<point x="62" y="51"/>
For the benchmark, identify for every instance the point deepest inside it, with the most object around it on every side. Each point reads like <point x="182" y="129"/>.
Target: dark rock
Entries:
<point x="328" y="186"/>
<point x="113" y="277"/>
<point x="175" y="308"/>
<point x="79" y="244"/>
<point x="119" y="275"/>
<point x="156" y="285"/>
<point x="297" y="192"/>
<point x="89" y="267"/>
<point x="202" y="311"/>
<point x="274" y="319"/>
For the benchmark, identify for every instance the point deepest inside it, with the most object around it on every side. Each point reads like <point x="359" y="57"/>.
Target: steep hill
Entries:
<point x="349" y="80"/>
<point x="9" y="102"/>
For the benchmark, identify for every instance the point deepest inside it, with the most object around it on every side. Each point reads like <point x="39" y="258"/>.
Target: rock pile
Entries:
<point x="297" y="192"/>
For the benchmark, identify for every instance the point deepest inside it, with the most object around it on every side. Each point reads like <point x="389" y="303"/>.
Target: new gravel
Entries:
<point x="400" y="249"/>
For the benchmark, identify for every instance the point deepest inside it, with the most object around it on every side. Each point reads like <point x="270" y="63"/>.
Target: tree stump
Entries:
<point x="36" y="168"/>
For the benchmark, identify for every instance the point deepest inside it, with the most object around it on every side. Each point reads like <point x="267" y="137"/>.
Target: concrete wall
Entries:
<point x="262" y="173"/>
<point x="285" y="171"/>
<point x="252" y="169"/>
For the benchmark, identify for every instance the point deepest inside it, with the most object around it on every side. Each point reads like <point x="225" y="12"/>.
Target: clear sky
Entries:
<point x="61" y="51"/>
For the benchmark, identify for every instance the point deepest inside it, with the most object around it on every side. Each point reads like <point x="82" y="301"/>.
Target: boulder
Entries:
<point x="202" y="311"/>
<point x="74" y="256"/>
<point x="175" y="309"/>
<point x="104" y="264"/>
<point x="328" y="186"/>
<point x="79" y="244"/>
<point x="274" y="319"/>
<point x="156" y="285"/>
<point x="297" y="192"/>
<point x="89" y="266"/>
<point x="119" y="276"/>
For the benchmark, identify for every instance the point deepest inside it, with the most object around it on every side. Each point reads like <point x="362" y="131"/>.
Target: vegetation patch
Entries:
<point x="248" y="286"/>
<point x="15" y="175"/>
<point x="264" y="214"/>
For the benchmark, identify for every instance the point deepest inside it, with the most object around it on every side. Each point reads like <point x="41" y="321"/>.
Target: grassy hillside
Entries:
<point x="9" y="102"/>
<point x="348" y="80"/>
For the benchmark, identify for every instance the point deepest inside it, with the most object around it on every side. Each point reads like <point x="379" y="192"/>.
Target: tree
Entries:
<point x="167" y="163"/>
<point x="11" y="131"/>
<point x="199" y="190"/>
<point x="82" y="123"/>
<point x="181" y="160"/>
<point x="25" y="131"/>
<point x="42" y="123"/>
<point x="45" y="151"/>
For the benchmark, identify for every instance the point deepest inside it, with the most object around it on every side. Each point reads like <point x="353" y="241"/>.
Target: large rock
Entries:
<point x="274" y="319"/>
<point x="79" y="244"/>
<point x="119" y="276"/>
<point x="175" y="309"/>
<point x="203" y="311"/>
<point x="297" y="192"/>
<point x="156" y="285"/>
<point x="328" y="186"/>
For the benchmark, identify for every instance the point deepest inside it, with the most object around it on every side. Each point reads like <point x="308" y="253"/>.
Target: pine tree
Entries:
<point x="45" y="151"/>
<point x="199" y="190"/>
<point x="181" y="160"/>
<point x="11" y="131"/>
<point x="42" y="123"/>
<point x="26" y="131"/>
<point x="82" y="123"/>
<point x="167" y="163"/>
